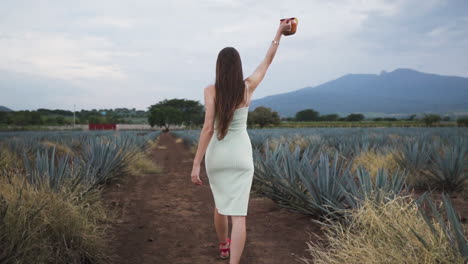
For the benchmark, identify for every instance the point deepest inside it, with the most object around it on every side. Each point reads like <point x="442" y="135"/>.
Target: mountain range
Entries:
<point x="5" y="109"/>
<point x="402" y="91"/>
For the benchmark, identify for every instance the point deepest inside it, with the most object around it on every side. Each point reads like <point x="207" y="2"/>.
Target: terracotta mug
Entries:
<point x="294" y="22"/>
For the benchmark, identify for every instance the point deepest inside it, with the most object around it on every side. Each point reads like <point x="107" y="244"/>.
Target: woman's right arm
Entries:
<point x="259" y="73"/>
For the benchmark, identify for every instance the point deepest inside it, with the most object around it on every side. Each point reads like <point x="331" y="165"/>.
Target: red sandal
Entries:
<point x="224" y="252"/>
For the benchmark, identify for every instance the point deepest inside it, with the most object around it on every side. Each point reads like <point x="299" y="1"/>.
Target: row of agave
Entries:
<point x="310" y="172"/>
<point x="437" y="157"/>
<point x="97" y="157"/>
<point x="316" y="183"/>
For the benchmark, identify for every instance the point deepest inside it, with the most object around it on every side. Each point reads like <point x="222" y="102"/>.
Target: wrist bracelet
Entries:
<point x="275" y="42"/>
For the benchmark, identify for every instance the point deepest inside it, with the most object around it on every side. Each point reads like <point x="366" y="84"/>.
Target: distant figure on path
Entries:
<point x="224" y="138"/>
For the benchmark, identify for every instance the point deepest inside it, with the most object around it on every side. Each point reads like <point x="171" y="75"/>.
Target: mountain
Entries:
<point x="397" y="92"/>
<point x="4" y="109"/>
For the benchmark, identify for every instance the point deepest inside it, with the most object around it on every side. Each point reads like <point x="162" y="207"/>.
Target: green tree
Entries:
<point x="307" y="115"/>
<point x="164" y="116"/>
<point x="355" y="117"/>
<point x="60" y="120"/>
<point x="429" y="120"/>
<point x="263" y="116"/>
<point x="462" y="121"/>
<point x="96" y="119"/>
<point x="330" y="117"/>
<point x="23" y="118"/>
<point x="5" y="117"/>
<point x="191" y="111"/>
<point x="411" y="117"/>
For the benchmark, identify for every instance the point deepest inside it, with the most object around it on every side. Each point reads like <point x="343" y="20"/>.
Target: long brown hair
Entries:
<point x="229" y="87"/>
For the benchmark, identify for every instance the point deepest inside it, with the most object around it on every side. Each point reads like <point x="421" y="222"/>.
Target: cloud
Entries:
<point x="122" y="23"/>
<point x="135" y="53"/>
<point x="60" y="55"/>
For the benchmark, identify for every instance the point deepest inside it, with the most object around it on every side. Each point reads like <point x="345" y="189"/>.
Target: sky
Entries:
<point x="112" y="54"/>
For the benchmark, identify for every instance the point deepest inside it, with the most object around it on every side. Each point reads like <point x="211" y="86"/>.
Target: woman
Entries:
<point x="224" y="138"/>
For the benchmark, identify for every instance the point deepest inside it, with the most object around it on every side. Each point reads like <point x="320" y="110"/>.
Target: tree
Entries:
<point x="192" y="111"/>
<point x="431" y="119"/>
<point x="330" y="117"/>
<point x="307" y="115"/>
<point x="5" y="117"/>
<point x="355" y="117"/>
<point x="462" y="121"/>
<point x="263" y="116"/>
<point x="164" y="116"/>
<point x="411" y="117"/>
<point x="60" y="120"/>
<point x="96" y="119"/>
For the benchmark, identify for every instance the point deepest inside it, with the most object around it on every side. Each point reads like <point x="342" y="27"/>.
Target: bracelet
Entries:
<point x="275" y="42"/>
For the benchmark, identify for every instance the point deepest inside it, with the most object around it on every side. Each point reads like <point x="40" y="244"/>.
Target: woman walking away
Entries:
<point x="224" y="138"/>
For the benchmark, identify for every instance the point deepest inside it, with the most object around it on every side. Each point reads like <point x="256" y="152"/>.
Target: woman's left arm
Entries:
<point x="205" y="134"/>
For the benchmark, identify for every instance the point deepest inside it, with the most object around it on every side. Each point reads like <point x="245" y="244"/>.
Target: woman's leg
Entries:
<point x="221" y="225"/>
<point x="238" y="236"/>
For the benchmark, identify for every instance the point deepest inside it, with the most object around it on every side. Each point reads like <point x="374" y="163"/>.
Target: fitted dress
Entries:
<point x="229" y="166"/>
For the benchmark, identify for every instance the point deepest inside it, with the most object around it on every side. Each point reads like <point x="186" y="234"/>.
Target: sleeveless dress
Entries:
<point x="229" y="166"/>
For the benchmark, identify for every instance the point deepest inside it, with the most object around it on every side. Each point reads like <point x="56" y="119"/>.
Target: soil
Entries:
<point x="165" y="218"/>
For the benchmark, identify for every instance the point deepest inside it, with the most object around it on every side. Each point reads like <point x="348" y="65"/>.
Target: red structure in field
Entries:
<point x="102" y="126"/>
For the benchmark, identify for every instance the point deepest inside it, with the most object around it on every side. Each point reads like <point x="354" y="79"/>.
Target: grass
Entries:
<point x="381" y="233"/>
<point x="60" y="149"/>
<point x="372" y="161"/>
<point x="142" y="164"/>
<point x="38" y="225"/>
<point x="9" y="160"/>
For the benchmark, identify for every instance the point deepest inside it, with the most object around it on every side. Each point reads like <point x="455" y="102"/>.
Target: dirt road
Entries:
<point x="165" y="218"/>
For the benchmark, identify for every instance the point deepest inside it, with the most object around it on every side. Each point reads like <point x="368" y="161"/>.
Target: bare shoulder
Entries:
<point x="209" y="93"/>
<point x="210" y="89"/>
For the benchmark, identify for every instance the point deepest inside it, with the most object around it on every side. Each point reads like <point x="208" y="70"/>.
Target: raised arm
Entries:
<point x="257" y="76"/>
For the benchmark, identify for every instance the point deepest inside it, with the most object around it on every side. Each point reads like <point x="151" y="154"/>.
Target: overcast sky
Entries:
<point x="109" y="53"/>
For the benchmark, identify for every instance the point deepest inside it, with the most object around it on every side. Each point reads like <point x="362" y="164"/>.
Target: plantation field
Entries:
<point x="363" y="124"/>
<point x="369" y="188"/>
<point x="366" y="195"/>
<point x="51" y="208"/>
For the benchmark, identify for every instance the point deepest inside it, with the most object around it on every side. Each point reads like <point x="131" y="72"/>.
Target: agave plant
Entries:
<point x="107" y="158"/>
<point x="414" y="156"/>
<point x="453" y="230"/>
<point x="380" y="189"/>
<point x="449" y="166"/>
<point x="43" y="169"/>
<point x="299" y="181"/>
<point x="312" y="183"/>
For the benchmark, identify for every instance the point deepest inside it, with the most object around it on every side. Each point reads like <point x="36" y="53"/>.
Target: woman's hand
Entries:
<point x="285" y="26"/>
<point x="196" y="175"/>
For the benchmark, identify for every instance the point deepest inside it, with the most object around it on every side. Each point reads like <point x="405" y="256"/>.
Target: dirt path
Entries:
<point x="164" y="218"/>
